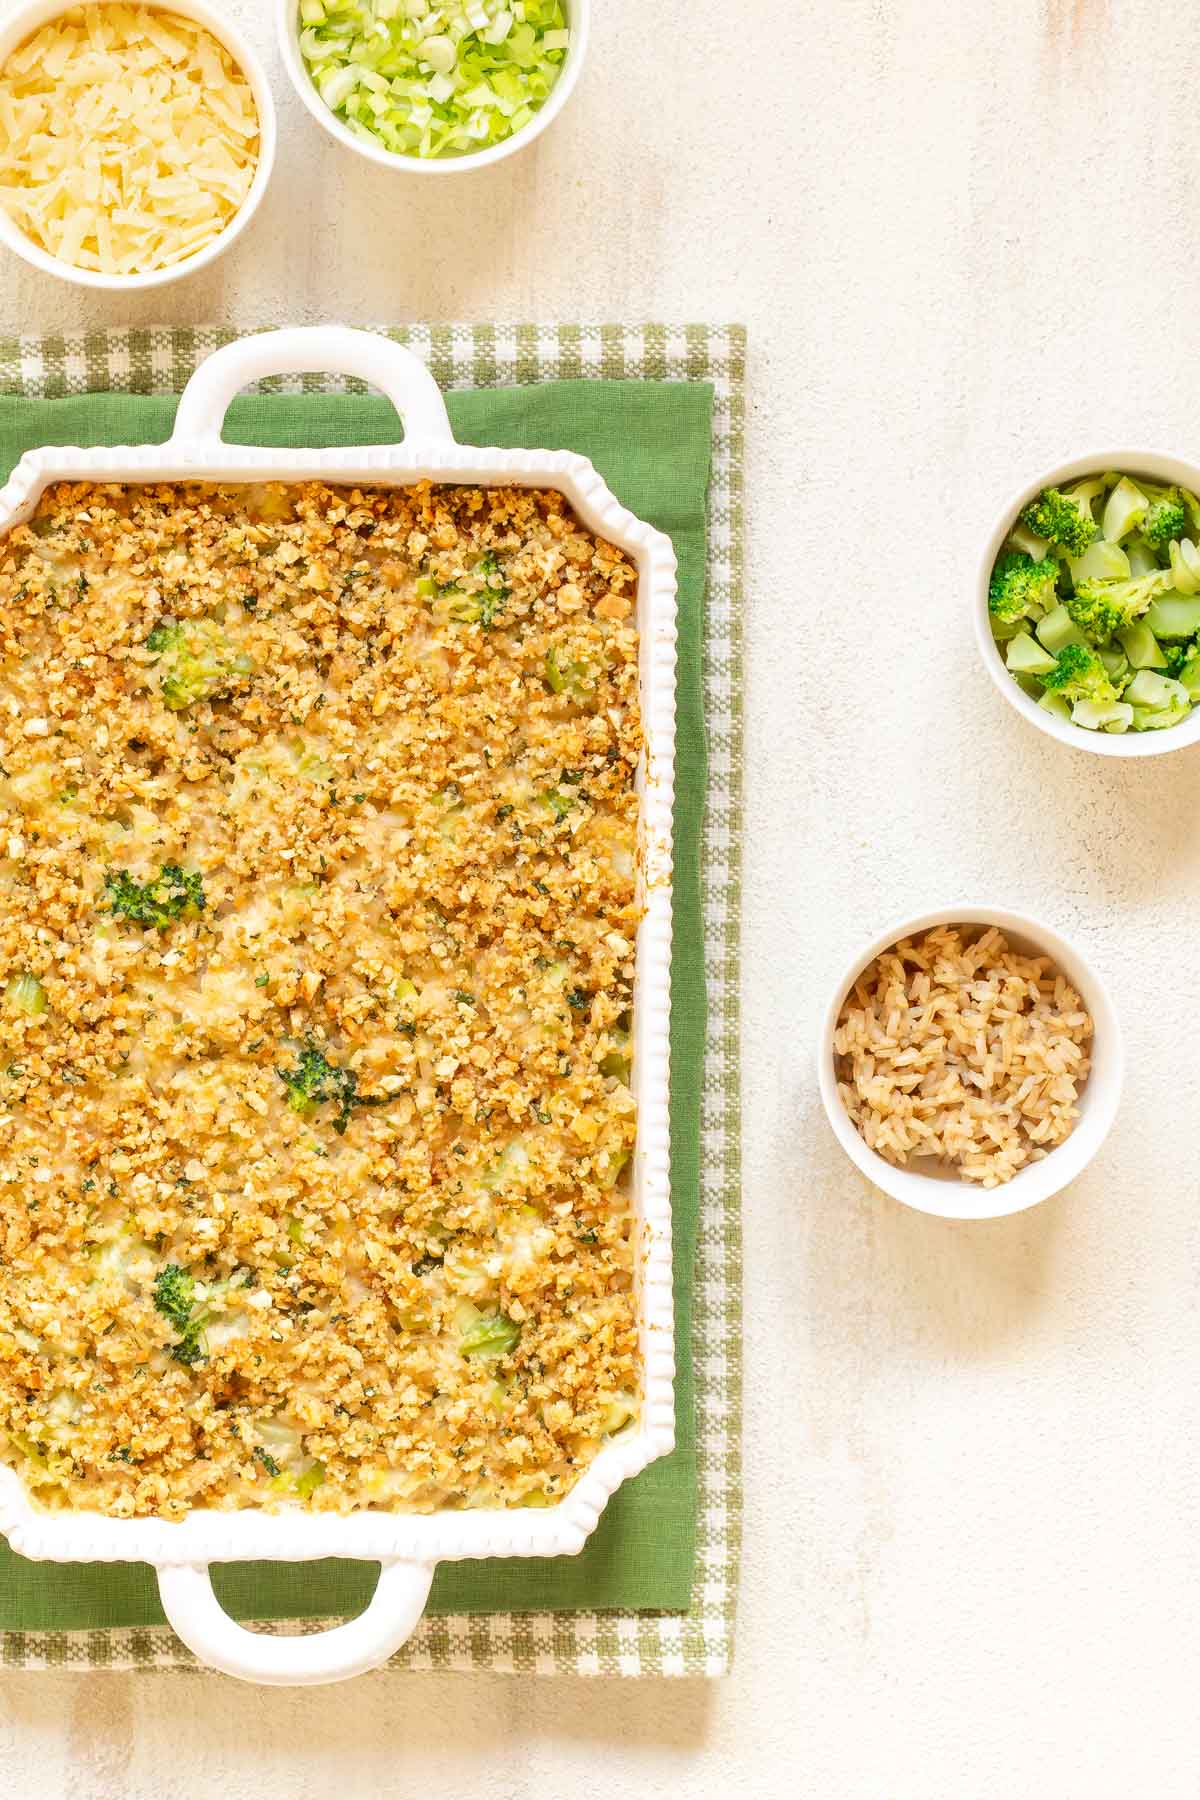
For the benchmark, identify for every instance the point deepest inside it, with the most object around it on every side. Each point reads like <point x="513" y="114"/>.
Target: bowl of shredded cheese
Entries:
<point x="135" y="141"/>
<point x="431" y="87"/>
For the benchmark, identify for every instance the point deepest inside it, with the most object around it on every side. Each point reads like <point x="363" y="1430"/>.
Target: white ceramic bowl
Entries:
<point x="1157" y="466"/>
<point x="1099" y="1098"/>
<point x="287" y="14"/>
<point x="24" y="20"/>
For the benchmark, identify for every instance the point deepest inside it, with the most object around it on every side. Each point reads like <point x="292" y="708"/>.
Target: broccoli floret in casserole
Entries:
<point x="482" y="609"/>
<point x="175" y="893"/>
<point x="191" y="1307"/>
<point x="314" y="1080"/>
<point x="556" y="803"/>
<point x="483" y="603"/>
<point x="175" y="1299"/>
<point x="565" y="676"/>
<point x="174" y="1295"/>
<point x="195" y="661"/>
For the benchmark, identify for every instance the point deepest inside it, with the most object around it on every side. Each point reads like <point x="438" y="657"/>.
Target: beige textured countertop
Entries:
<point x="962" y="237"/>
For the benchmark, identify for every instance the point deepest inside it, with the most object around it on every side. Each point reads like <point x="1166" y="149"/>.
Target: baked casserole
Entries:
<point x="318" y="898"/>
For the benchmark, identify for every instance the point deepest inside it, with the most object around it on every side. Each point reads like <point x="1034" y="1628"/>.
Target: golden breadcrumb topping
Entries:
<point x="318" y="895"/>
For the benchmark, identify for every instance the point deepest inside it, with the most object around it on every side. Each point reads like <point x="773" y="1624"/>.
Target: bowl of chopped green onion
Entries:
<point x="434" y="86"/>
<point x="1088" y="611"/>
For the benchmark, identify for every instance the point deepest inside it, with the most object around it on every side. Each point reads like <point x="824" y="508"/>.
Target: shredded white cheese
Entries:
<point x="128" y="138"/>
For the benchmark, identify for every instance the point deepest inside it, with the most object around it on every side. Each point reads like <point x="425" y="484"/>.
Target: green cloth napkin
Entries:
<point x="652" y="443"/>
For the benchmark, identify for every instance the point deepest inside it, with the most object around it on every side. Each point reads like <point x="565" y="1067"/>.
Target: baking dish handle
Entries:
<point x="197" y="1616"/>
<point x="312" y="350"/>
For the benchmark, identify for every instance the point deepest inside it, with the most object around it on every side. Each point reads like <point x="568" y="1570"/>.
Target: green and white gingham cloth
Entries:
<point x="700" y="1640"/>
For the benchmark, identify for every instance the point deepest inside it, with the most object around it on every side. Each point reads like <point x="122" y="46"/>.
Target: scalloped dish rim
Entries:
<point x="208" y="1535"/>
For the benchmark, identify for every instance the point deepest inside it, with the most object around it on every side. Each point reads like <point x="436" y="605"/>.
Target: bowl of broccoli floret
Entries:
<point x="1089" y="603"/>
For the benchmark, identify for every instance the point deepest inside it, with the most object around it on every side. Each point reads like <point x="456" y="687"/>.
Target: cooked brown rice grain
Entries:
<point x="955" y="1048"/>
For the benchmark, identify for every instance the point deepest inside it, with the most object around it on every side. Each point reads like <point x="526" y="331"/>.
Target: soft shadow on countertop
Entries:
<point x="911" y="1284"/>
<point x="892" y="1306"/>
<point x="1120" y="825"/>
<point x="385" y="1733"/>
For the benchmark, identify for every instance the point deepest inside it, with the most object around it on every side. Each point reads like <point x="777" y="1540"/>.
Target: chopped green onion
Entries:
<point x="486" y="1335"/>
<point x="429" y="83"/>
<point x="26" y="994"/>
<point x="335" y="86"/>
<point x="439" y="53"/>
<point x="617" y="1066"/>
<point x="310" y="1480"/>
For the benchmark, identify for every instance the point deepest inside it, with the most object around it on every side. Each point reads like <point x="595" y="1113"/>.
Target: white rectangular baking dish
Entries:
<point x="406" y="1546"/>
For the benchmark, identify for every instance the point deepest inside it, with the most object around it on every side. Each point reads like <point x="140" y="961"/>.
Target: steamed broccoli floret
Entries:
<point x="1096" y="615"/>
<point x="315" y="1080"/>
<point x="196" y="661"/>
<point x="1100" y="608"/>
<point x="1078" y="674"/>
<point x="1064" y="520"/>
<point x="1021" y="588"/>
<point x="174" y="893"/>
<point x="1166" y="519"/>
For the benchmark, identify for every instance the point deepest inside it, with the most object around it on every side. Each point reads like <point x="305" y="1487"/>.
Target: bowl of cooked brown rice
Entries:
<point x="971" y="1062"/>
